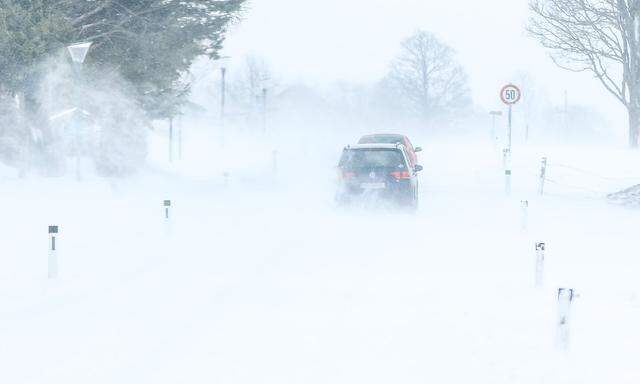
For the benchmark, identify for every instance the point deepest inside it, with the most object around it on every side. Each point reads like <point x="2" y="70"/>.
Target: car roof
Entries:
<point x="375" y="146"/>
<point x="398" y="135"/>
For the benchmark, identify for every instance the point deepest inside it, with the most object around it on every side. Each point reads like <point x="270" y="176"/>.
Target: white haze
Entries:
<point x="324" y="41"/>
<point x="258" y="277"/>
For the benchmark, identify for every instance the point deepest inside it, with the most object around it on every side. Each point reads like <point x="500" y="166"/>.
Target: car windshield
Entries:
<point x="382" y="139"/>
<point x="372" y="158"/>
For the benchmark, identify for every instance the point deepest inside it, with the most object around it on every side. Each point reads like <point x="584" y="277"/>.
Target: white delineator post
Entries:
<point x="226" y="176"/>
<point x="540" y="250"/>
<point x="505" y="151"/>
<point x="167" y="209"/>
<point x="167" y="217"/>
<point x="565" y="298"/>
<point x="524" y="204"/>
<point x="53" y="252"/>
<point x="543" y="174"/>
<point x="274" y="162"/>
<point x="507" y="172"/>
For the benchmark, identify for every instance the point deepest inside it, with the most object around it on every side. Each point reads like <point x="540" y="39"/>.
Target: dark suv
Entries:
<point x="380" y="170"/>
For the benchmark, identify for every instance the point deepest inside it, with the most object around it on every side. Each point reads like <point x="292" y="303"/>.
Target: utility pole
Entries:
<point x="509" y="131"/>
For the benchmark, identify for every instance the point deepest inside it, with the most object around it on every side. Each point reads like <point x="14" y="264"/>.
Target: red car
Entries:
<point x="392" y="138"/>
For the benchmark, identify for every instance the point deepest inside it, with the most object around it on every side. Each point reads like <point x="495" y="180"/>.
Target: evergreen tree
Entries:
<point x="151" y="43"/>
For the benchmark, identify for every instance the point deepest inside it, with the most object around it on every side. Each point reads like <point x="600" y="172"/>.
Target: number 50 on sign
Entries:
<point x="510" y="94"/>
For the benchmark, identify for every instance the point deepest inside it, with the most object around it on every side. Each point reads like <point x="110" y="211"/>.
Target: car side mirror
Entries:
<point x="418" y="168"/>
<point x="417" y="149"/>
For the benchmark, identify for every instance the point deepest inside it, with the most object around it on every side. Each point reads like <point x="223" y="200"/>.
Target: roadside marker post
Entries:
<point x="53" y="252"/>
<point x="168" y="216"/>
<point x="274" y="162"/>
<point x="507" y="173"/>
<point x="565" y="298"/>
<point x="524" y="205"/>
<point x="540" y="250"/>
<point x="167" y="209"/>
<point x="543" y="175"/>
<point x="505" y="156"/>
<point x="226" y="176"/>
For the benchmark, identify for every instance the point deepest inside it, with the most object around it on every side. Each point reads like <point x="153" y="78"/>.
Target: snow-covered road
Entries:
<point x="262" y="280"/>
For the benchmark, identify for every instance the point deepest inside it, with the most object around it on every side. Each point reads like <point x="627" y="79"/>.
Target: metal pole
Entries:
<point x="171" y="139"/>
<point x="509" y="132"/>
<point x="223" y="91"/>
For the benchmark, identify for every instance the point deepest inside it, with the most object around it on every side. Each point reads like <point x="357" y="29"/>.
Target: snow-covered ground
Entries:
<point x="258" y="278"/>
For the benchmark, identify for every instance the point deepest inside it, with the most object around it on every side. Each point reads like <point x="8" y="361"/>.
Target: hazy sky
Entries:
<point x="321" y="41"/>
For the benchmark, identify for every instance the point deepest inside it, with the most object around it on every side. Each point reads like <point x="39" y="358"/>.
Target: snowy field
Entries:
<point x="259" y="278"/>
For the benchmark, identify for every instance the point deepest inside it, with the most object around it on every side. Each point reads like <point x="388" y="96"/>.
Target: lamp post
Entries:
<point x="78" y="53"/>
<point x="223" y="91"/>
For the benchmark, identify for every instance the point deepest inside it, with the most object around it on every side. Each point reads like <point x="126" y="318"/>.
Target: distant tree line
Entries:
<point x="425" y="86"/>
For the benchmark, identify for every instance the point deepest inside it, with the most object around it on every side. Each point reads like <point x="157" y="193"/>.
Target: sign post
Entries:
<point x="167" y="206"/>
<point x="540" y="249"/>
<point x="509" y="94"/>
<point x="565" y="298"/>
<point x="543" y="174"/>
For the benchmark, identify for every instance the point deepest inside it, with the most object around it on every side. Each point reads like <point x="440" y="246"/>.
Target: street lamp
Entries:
<point x="78" y="53"/>
<point x="223" y="87"/>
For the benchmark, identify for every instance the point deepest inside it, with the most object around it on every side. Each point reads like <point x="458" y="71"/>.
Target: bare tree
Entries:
<point x="598" y="36"/>
<point x="254" y="78"/>
<point x="427" y="78"/>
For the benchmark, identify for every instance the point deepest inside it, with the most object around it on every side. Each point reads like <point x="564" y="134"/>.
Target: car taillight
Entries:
<point x="347" y="175"/>
<point x="401" y="174"/>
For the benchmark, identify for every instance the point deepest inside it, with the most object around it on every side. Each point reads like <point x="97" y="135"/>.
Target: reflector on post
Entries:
<point x="79" y="51"/>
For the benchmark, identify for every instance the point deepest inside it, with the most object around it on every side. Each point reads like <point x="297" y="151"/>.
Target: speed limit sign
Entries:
<point x="510" y="94"/>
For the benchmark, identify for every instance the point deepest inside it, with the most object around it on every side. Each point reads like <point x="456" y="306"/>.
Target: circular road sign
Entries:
<point x="510" y="94"/>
